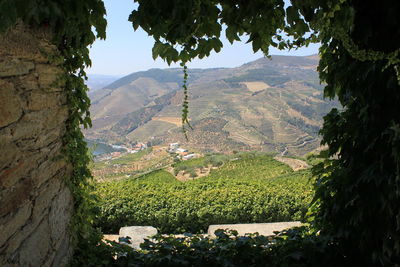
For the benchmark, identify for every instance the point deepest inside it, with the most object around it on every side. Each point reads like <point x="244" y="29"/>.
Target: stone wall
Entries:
<point x="35" y="204"/>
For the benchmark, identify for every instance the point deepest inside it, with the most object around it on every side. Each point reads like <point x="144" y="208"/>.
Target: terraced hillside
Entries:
<point x="271" y="105"/>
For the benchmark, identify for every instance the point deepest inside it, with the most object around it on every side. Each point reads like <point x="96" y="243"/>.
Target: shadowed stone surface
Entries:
<point x="35" y="203"/>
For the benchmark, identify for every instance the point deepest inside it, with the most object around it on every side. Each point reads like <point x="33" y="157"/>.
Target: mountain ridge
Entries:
<point x="273" y="105"/>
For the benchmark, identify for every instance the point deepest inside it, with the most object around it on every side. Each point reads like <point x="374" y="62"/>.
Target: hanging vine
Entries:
<point x="75" y="25"/>
<point x="185" y="102"/>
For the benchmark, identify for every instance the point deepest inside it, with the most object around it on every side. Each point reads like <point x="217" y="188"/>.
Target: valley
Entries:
<point x="267" y="105"/>
<point x="243" y="161"/>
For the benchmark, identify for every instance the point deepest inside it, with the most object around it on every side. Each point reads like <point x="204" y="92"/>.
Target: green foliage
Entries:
<point x="254" y="189"/>
<point x="227" y="249"/>
<point x="128" y="158"/>
<point x="299" y="247"/>
<point x="359" y="190"/>
<point x="215" y="160"/>
<point x="192" y="28"/>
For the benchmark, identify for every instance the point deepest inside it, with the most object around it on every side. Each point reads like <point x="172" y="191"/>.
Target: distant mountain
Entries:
<point x="272" y="105"/>
<point x="98" y="81"/>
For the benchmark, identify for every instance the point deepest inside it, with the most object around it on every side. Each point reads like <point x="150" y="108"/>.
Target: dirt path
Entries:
<point x="295" y="164"/>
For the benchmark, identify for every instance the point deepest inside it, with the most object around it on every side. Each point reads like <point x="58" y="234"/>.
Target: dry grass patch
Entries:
<point x="173" y="120"/>
<point x="256" y="86"/>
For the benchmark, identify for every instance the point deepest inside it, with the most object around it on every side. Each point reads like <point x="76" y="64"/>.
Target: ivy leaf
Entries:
<point x="158" y="48"/>
<point x="231" y="34"/>
<point x="292" y="15"/>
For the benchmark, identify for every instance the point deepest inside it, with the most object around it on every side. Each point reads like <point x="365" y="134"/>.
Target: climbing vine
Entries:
<point x="74" y="25"/>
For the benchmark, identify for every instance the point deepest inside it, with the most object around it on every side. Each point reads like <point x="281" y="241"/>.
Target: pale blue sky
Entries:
<point x="125" y="51"/>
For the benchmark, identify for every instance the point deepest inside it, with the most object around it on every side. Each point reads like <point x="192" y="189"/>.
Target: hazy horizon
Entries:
<point x="176" y="66"/>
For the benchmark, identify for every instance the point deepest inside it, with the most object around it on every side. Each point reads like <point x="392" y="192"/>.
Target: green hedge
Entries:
<point x="251" y="189"/>
<point x="298" y="247"/>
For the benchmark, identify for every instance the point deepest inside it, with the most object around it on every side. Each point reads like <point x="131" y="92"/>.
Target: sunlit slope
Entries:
<point x="273" y="105"/>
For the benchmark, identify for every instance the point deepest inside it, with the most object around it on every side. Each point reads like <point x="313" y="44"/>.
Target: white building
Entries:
<point x="190" y="156"/>
<point x="181" y="150"/>
<point x="173" y="147"/>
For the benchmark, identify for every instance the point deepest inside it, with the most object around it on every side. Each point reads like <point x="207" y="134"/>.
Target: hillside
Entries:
<point x="247" y="188"/>
<point x="272" y="105"/>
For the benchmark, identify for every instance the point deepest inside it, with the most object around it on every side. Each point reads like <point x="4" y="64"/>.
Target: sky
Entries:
<point x="125" y="51"/>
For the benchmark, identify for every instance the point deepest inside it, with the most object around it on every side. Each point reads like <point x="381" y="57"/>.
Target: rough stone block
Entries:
<point x="45" y="197"/>
<point x="49" y="77"/>
<point x="10" y="106"/>
<point x="51" y="136"/>
<point x="39" y="100"/>
<point x="11" y="223"/>
<point x="14" y="243"/>
<point x="63" y="253"/>
<point x="37" y="123"/>
<point x="9" y="151"/>
<point x="266" y="229"/>
<point x="35" y="248"/>
<point x="114" y="238"/>
<point x="51" y="167"/>
<point x="23" y="42"/>
<point x="29" y="82"/>
<point x="137" y="234"/>
<point x="15" y="67"/>
<point x="11" y="175"/>
<point x="60" y="214"/>
<point x="14" y="197"/>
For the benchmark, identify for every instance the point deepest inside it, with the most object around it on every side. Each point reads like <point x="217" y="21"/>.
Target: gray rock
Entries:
<point x="266" y="229"/>
<point x="137" y="234"/>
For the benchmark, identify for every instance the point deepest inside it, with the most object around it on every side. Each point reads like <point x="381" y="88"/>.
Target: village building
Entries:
<point x="140" y="146"/>
<point x="173" y="147"/>
<point x="190" y="156"/>
<point x="181" y="150"/>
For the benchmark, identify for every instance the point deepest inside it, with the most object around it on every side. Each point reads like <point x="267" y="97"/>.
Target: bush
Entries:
<point x="192" y="173"/>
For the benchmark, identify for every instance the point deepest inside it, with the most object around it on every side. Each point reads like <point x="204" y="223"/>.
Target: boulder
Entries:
<point x="137" y="234"/>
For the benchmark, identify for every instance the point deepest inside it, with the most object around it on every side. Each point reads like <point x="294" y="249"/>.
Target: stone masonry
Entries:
<point x="35" y="204"/>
